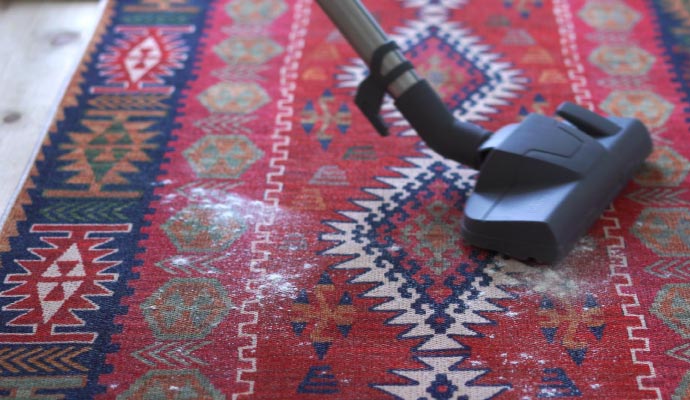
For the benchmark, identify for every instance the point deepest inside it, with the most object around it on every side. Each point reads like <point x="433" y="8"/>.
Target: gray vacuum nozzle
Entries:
<point x="544" y="182"/>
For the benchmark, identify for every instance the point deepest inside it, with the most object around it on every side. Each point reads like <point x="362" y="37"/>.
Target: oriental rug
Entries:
<point x="210" y="216"/>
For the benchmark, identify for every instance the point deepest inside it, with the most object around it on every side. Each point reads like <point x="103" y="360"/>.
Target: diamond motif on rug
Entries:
<point x="480" y="81"/>
<point x="413" y="252"/>
<point x="141" y="60"/>
<point x="73" y="268"/>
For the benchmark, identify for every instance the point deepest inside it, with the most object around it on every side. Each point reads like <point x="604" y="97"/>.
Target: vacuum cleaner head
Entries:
<point x="544" y="182"/>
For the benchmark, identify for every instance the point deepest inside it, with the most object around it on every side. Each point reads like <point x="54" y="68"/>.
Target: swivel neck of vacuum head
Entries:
<point x="436" y="125"/>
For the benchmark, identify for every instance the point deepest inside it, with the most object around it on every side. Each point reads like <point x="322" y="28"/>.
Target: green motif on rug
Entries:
<point x="672" y="305"/>
<point x="101" y="158"/>
<point x="609" y="16"/>
<point x="205" y="228"/>
<point x="34" y="387"/>
<point x="255" y="11"/>
<point x="665" y="231"/>
<point x="179" y="385"/>
<point x="665" y="168"/>
<point x="248" y="50"/>
<point x="652" y="109"/>
<point x="234" y="97"/>
<point x="83" y="211"/>
<point x="186" y="308"/>
<point x="222" y="157"/>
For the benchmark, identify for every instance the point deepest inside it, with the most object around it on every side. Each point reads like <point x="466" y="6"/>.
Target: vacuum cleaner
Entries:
<point x="542" y="182"/>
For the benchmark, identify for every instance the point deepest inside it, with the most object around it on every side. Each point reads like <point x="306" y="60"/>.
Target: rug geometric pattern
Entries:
<point x="211" y="217"/>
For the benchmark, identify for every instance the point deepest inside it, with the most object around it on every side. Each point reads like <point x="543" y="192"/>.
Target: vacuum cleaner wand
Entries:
<point x="542" y="182"/>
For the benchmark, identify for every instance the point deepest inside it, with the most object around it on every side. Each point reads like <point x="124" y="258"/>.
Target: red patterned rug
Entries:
<point x="211" y="217"/>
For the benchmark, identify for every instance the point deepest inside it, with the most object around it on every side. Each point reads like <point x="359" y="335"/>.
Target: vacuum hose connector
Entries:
<point x="442" y="132"/>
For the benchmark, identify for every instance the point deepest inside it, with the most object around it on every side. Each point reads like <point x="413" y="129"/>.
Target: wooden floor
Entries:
<point x="41" y="44"/>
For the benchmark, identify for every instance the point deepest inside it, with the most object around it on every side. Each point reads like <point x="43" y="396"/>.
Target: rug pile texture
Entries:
<point x="211" y="216"/>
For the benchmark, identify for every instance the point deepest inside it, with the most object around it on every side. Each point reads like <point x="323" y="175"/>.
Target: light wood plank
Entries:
<point x="41" y="44"/>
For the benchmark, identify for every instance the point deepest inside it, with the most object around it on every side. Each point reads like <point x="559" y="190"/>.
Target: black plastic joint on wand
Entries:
<point x="436" y="125"/>
<point x="372" y="90"/>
